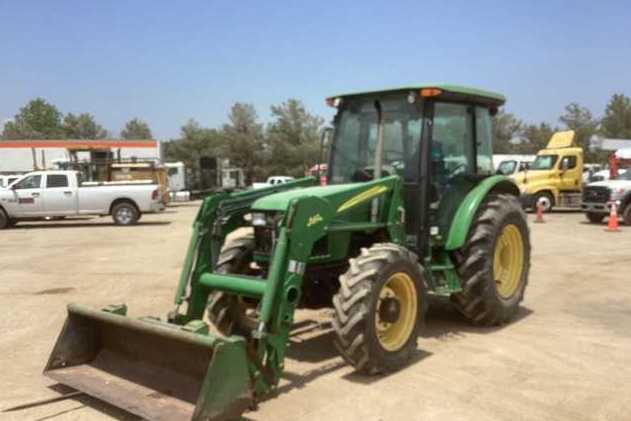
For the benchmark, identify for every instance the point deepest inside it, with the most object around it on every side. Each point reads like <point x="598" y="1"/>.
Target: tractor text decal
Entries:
<point x="314" y="219"/>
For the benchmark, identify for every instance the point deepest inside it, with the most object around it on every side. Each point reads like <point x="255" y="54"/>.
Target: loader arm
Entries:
<point x="218" y="215"/>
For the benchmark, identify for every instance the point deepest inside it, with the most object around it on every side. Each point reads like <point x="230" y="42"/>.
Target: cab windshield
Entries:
<point x="544" y="162"/>
<point x="357" y="132"/>
<point x="624" y="176"/>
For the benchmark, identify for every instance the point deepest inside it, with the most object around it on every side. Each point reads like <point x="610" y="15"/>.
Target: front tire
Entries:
<point x="125" y="213"/>
<point x="546" y="199"/>
<point x="380" y="308"/>
<point x="493" y="264"/>
<point x="228" y="312"/>
<point x="595" y="218"/>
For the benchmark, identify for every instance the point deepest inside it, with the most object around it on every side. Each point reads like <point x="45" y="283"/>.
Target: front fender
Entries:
<point x="468" y="208"/>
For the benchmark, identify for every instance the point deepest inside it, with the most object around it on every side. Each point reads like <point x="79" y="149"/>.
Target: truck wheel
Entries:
<point x="546" y="199"/>
<point x="380" y="308"/>
<point x="595" y="218"/>
<point x="124" y="213"/>
<point x="228" y="312"/>
<point x="493" y="264"/>
<point x="4" y="220"/>
<point x="626" y="215"/>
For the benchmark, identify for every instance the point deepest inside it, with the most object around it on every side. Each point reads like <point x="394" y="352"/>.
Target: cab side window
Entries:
<point x="452" y="142"/>
<point x="56" y="181"/>
<point x="568" y="162"/>
<point x="31" y="182"/>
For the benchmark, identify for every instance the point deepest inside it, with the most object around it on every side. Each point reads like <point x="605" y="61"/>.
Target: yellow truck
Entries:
<point x="555" y="178"/>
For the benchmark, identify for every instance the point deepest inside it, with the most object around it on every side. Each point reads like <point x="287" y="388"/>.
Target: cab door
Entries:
<point x="27" y="195"/>
<point x="59" y="198"/>
<point x="570" y="175"/>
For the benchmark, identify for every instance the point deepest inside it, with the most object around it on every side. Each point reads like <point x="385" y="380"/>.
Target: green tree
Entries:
<point x="244" y="140"/>
<point x="505" y="127"/>
<point x="136" y="129"/>
<point x="194" y="142"/>
<point x="83" y="126"/>
<point x="293" y="139"/>
<point x="36" y="120"/>
<point x="538" y="136"/>
<point x="617" y="120"/>
<point x="581" y="120"/>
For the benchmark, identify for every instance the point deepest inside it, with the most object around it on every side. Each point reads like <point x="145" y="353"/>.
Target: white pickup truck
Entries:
<point x="273" y="180"/>
<point x="598" y="197"/>
<point x="43" y="194"/>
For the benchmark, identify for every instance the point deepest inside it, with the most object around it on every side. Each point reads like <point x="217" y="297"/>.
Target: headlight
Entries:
<point x="270" y="219"/>
<point x="259" y="220"/>
<point x="616" y="194"/>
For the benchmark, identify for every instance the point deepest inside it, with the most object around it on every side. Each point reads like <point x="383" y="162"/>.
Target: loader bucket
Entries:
<point x="152" y="369"/>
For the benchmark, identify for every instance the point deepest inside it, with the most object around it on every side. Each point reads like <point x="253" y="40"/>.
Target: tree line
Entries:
<point x="40" y="119"/>
<point x="513" y="136"/>
<point x="289" y="143"/>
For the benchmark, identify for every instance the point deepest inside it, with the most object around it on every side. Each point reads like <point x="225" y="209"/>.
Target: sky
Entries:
<point x="167" y="61"/>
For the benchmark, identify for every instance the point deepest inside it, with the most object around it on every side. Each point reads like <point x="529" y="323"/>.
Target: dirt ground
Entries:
<point x="567" y="356"/>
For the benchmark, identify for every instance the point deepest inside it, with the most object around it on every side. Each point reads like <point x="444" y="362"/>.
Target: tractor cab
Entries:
<point x="436" y="138"/>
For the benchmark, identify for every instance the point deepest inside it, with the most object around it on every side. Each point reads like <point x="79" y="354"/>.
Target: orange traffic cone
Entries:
<point x="539" y="218"/>
<point x="612" y="226"/>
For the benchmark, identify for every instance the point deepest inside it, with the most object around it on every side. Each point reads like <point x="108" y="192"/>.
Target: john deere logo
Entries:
<point x="314" y="219"/>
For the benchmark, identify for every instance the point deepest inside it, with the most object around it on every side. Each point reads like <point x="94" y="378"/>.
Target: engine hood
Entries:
<point x="620" y="184"/>
<point x="341" y="197"/>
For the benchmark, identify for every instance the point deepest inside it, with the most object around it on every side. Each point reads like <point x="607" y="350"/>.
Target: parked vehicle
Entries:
<point x="272" y="181"/>
<point x="371" y="246"/>
<point x="44" y="194"/>
<point x="510" y="165"/>
<point x="6" y="180"/>
<point x="598" y="198"/>
<point x="176" y="172"/>
<point x="555" y="178"/>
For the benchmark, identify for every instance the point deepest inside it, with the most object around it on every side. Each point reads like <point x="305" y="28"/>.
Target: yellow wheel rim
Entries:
<point x="393" y="334"/>
<point x="508" y="261"/>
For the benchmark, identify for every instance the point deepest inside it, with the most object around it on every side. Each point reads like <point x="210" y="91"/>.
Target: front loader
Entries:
<point x="411" y="209"/>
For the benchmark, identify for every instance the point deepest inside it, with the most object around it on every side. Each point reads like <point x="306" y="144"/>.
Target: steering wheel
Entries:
<point x="456" y="170"/>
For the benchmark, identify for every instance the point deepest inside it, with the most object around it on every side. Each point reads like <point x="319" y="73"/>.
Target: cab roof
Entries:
<point x="449" y="91"/>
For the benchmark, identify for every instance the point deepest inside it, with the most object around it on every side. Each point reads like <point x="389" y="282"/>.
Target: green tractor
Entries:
<point x="410" y="208"/>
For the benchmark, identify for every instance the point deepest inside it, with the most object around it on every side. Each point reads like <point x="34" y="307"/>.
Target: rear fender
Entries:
<point x="463" y="218"/>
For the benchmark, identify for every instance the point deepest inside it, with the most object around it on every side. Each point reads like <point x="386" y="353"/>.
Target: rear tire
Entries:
<point x="125" y="213"/>
<point x="4" y="220"/>
<point x="498" y="241"/>
<point x="595" y="218"/>
<point x="626" y="215"/>
<point x="228" y="312"/>
<point x="380" y="308"/>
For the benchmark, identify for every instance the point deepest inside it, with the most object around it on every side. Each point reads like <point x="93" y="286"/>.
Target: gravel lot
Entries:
<point x="567" y="356"/>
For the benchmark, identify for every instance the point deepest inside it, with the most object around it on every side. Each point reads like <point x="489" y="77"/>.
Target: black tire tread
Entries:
<point x="478" y="301"/>
<point x="223" y="308"/>
<point x="352" y="304"/>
